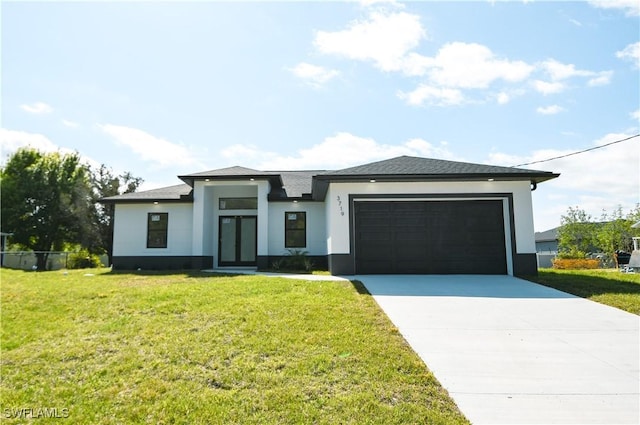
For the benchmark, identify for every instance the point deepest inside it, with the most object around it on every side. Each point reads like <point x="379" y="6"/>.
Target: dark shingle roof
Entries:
<point x="230" y="173"/>
<point x="297" y="183"/>
<point x="181" y="192"/>
<point x="300" y="184"/>
<point x="547" y="235"/>
<point x="414" y="166"/>
<point x="410" y="168"/>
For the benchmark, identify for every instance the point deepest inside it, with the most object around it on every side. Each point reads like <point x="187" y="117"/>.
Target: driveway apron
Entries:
<point x="513" y="352"/>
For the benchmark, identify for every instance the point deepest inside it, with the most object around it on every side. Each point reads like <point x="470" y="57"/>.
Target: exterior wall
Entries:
<point x="130" y="230"/>
<point x="521" y="258"/>
<point x="206" y="213"/>
<point x="547" y="246"/>
<point x="316" y="233"/>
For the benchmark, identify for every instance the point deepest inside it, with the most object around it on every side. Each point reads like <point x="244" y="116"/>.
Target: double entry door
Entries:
<point x="237" y="243"/>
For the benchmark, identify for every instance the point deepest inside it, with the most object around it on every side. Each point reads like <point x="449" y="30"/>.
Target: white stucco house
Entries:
<point x="402" y="215"/>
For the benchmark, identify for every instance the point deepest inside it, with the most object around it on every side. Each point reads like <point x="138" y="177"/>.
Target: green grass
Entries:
<point x="610" y="287"/>
<point x="118" y="348"/>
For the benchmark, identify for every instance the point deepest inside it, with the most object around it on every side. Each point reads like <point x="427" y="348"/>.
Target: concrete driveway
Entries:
<point x="514" y="352"/>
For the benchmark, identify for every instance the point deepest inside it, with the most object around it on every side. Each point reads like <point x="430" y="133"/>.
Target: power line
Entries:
<point x="576" y="153"/>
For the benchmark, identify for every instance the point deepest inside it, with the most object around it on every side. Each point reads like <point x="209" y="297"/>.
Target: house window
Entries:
<point x="238" y="203"/>
<point x="157" y="225"/>
<point x="295" y="229"/>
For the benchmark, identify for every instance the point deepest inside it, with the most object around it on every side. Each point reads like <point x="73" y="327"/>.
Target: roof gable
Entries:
<point x="415" y="166"/>
<point x="177" y="193"/>
<point x="228" y="172"/>
<point x="286" y="185"/>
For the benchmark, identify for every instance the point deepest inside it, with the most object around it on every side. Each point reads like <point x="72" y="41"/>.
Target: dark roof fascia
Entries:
<point x="190" y="179"/>
<point x="184" y="199"/>
<point x="538" y="177"/>
<point x="145" y="201"/>
<point x="293" y="199"/>
<point x="321" y="182"/>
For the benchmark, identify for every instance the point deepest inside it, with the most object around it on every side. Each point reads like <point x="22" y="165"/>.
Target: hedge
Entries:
<point x="575" y="263"/>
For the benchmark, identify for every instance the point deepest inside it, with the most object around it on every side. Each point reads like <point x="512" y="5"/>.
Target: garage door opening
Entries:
<point x="430" y="237"/>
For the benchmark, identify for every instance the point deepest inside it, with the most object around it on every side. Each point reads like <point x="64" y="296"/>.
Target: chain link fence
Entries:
<point x="26" y="260"/>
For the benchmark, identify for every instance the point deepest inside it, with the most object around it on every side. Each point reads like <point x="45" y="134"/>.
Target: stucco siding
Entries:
<point x="316" y="234"/>
<point x="130" y="234"/>
<point x="337" y="206"/>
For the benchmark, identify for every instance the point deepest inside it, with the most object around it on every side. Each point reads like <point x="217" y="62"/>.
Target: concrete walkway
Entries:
<point x="513" y="352"/>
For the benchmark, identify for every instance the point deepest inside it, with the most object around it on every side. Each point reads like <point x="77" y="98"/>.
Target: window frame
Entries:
<point x="293" y="230"/>
<point x="223" y="201"/>
<point x="163" y="231"/>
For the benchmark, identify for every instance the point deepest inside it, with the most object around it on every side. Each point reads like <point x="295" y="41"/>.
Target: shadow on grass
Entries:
<point x="360" y="288"/>
<point x="188" y="273"/>
<point x="584" y="285"/>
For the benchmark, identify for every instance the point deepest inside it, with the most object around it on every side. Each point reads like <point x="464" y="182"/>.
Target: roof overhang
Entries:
<point x="271" y="178"/>
<point x="321" y="182"/>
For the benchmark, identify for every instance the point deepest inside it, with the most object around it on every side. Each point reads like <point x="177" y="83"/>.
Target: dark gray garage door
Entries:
<point x="436" y="237"/>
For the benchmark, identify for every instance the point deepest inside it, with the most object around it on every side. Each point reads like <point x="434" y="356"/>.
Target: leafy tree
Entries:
<point x="615" y="234"/>
<point x="105" y="184"/>
<point x="577" y="234"/>
<point x="46" y="201"/>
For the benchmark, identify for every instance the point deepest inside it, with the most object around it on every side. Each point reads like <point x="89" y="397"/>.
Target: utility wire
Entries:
<point x="576" y="153"/>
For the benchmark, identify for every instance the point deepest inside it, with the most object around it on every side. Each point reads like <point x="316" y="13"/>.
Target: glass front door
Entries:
<point x="238" y="241"/>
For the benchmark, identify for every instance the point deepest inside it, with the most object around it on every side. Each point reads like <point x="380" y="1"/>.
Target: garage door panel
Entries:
<point x="430" y="237"/>
<point x="376" y="235"/>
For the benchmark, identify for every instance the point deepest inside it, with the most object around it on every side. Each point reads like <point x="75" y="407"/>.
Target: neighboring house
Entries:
<point x="547" y="247"/>
<point x="547" y="241"/>
<point x="402" y="215"/>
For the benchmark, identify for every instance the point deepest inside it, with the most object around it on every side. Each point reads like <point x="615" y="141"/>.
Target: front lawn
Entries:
<point x="117" y="348"/>
<point x="610" y="287"/>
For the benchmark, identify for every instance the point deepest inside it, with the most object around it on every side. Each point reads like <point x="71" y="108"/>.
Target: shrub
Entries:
<point x="278" y="264"/>
<point x="575" y="263"/>
<point x="83" y="259"/>
<point x="296" y="260"/>
<point x="572" y="254"/>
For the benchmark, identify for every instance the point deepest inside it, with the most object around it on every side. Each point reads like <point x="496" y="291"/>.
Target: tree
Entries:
<point x="615" y="234"/>
<point x="46" y="201"/>
<point x="105" y="184"/>
<point x="576" y="235"/>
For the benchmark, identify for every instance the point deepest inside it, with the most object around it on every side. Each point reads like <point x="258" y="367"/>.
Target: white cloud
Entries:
<point x="472" y="65"/>
<point x="600" y="79"/>
<point x="37" y="108"/>
<point x="313" y="75"/>
<point x="546" y="87"/>
<point x="150" y="148"/>
<point x="433" y="96"/>
<point x="635" y="115"/>
<point x="503" y="98"/>
<point x="594" y="180"/>
<point x="335" y="152"/>
<point x="630" y="7"/>
<point x="631" y="53"/>
<point x="383" y="38"/>
<point x="71" y="124"/>
<point x="245" y="152"/>
<point x="389" y="39"/>
<point x="549" y="110"/>
<point x="12" y="140"/>
<point x="561" y="71"/>
<point x="414" y="64"/>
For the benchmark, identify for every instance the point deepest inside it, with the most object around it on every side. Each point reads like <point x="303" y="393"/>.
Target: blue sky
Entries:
<point x="161" y="89"/>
